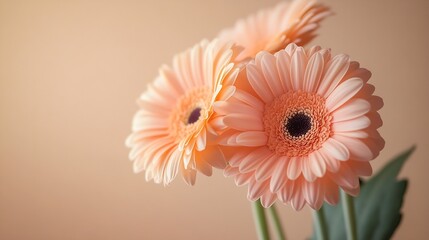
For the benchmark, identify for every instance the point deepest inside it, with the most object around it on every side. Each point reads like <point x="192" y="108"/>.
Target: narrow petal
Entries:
<point x="298" y="65"/>
<point x="243" y="122"/>
<point x="313" y="73"/>
<point x="279" y="176"/>
<point x="335" y="71"/>
<point x="343" y="93"/>
<point x="353" y="109"/>
<point x="336" y="149"/>
<point x="269" y="70"/>
<point x="268" y="199"/>
<point x="358" y="150"/>
<point x="283" y="63"/>
<point x="266" y="169"/>
<point x="294" y="168"/>
<point x="254" y="159"/>
<point x="306" y="170"/>
<point x="317" y="164"/>
<point x="256" y="189"/>
<point x="258" y="83"/>
<point x="252" y="139"/>
<point x="352" y="125"/>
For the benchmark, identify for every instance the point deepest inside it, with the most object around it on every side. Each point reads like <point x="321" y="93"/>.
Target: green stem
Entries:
<point x="260" y="221"/>
<point x="349" y="215"/>
<point x="278" y="226"/>
<point x="320" y="223"/>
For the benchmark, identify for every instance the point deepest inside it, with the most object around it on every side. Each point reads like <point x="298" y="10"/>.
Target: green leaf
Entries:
<point x="378" y="206"/>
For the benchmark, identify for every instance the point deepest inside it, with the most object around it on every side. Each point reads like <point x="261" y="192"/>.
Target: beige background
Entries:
<point x="70" y="72"/>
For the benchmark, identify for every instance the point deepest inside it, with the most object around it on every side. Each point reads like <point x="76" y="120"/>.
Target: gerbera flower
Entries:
<point x="307" y="127"/>
<point x="272" y="29"/>
<point x="171" y="131"/>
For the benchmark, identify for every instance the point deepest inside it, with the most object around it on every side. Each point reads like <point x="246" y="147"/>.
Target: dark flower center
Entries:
<point x="194" y="116"/>
<point x="298" y="124"/>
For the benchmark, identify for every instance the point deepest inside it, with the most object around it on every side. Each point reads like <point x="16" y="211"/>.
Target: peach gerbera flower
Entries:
<point x="307" y="126"/>
<point x="171" y="131"/>
<point x="272" y="29"/>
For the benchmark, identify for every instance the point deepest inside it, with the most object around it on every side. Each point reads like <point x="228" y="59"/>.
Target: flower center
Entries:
<point x="297" y="123"/>
<point x="194" y="116"/>
<point x="190" y="113"/>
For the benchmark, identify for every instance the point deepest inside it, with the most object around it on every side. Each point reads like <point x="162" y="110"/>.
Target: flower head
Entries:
<point x="272" y="29"/>
<point x="306" y="126"/>
<point x="172" y="129"/>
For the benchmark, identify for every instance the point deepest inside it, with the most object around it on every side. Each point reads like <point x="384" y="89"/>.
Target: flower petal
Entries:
<point x="343" y="93"/>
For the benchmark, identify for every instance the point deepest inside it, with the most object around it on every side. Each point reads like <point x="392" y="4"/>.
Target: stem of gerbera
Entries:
<point x="277" y="224"/>
<point x="260" y="221"/>
<point x="321" y="227"/>
<point x="349" y="215"/>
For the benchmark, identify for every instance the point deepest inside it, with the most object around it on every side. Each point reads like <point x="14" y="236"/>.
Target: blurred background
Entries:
<point x="70" y="72"/>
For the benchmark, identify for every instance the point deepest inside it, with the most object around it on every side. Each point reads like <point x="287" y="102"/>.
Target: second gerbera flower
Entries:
<point x="172" y="129"/>
<point x="307" y="125"/>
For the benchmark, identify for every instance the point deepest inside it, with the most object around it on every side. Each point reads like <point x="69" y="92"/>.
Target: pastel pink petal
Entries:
<point x="243" y="122"/>
<point x="313" y="72"/>
<point x="345" y="177"/>
<point x="266" y="169"/>
<point x="256" y="189"/>
<point x="252" y="139"/>
<point x="291" y="48"/>
<point x="243" y="178"/>
<point x="258" y="83"/>
<point x="218" y="124"/>
<point x="238" y="157"/>
<point x="317" y="164"/>
<point x="285" y="193"/>
<point x="343" y="93"/>
<point x="254" y="159"/>
<point x="228" y="139"/>
<point x="226" y="93"/>
<point x="352" y="125"/>
<point x="313" y="193"/>
<point x="361" y="168"/>
<point x="294" y="168"/>
<point x="230" y="171"/>
<point x="335" y="71"/>
<point x="298" y="199"/>
<point x="189" y="176"/>
<point x="282" y="63"/>
<point x="354" y="134"/>
<point x="352" y="191"/>
<point x="249" y="99"/>
<point x="204" y="168"/>
<point x="167" y="74"/>
<point x="225" y="108"/>
<point x="214" y="156"/>
<point x="332" y="195"/>
<point x="298" y="65"/>
<point x="268" y="199"/>
<point x="268" y="66"/>
<point x="336" y="149"/>
<point x="161" y="157"/>
<point x="332" y="164"/>
<point x="358" y="150"/>
<point x="351" y="110"/>
<point x="145" y="123"/>
<point x="306" y="170"/>
<point x="201" y="140"/>
<point x="279" y="177"/>
<point x="149" y="175"/>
